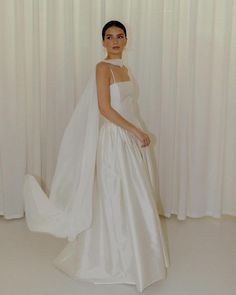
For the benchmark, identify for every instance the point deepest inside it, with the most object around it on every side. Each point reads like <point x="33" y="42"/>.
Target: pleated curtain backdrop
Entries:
<point x="182" y="53"/>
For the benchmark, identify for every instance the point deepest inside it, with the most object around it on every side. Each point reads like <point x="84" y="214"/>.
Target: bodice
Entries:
<point x="123" y="96"/>
<point x="123" y="100"/>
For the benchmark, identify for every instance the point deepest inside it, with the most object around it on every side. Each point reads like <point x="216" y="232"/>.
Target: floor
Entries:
<point x="202" y="253"/>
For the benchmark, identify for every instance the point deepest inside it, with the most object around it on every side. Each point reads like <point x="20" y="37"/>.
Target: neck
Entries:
<point x="114" y="56"/>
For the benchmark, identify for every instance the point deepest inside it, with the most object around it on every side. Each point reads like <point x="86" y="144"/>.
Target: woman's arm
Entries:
<point x="105" y="108"/>
<point x="103" y="95"/>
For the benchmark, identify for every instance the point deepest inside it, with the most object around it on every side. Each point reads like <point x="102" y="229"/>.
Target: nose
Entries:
<point x="115" y="40"/>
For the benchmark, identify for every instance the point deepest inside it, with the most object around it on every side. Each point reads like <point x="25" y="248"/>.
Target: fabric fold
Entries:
<point x="67" y="210"/>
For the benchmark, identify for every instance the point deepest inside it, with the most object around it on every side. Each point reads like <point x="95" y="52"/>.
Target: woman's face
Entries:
<point x="114" y="41"/>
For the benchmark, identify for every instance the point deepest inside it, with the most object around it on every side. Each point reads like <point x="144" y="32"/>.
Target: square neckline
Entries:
<point x="119" y="82"/>
<point x="117" y="62"/>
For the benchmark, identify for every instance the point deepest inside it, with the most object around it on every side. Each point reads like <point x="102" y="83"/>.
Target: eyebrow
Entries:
<point x="112" y="34"/>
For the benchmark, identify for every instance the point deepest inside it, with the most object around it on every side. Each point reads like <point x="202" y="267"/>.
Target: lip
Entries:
<point x="115" y="47"/>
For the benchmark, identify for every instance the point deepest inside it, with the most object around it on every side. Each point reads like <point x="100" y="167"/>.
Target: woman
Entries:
<point x="102" y="195"/>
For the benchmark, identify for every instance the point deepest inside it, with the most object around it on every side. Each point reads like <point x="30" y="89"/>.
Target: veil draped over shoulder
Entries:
<point x="68" y="209"/>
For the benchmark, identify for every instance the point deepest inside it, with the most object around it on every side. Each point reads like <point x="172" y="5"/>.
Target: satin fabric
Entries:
<point x="125" y="242"/>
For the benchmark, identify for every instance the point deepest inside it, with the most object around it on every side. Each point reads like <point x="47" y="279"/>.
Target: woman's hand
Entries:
<point x="142" y="137"/>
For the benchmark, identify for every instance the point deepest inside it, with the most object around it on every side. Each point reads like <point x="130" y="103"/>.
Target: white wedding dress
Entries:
<point x="124" y="243"/>
<point x="102" y="196"/>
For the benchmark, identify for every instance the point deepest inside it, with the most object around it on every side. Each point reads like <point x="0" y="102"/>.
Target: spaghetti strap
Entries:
<point x="112" y="75"/>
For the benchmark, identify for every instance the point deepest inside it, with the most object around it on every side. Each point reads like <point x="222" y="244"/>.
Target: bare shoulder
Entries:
<point x="102" y="71"/>
<point x="102" y="66"/>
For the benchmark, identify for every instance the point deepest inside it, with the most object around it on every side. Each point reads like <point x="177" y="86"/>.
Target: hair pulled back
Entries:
<point x="113" y="23"/>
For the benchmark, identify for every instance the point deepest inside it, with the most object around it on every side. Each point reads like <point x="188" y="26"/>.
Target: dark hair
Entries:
<point x="113" y="23"/>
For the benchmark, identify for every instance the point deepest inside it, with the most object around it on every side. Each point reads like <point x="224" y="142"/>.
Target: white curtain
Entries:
<point x="182" y="53"/>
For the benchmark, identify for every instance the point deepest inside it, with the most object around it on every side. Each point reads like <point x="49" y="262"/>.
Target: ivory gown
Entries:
<point x="125" y="243"/>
